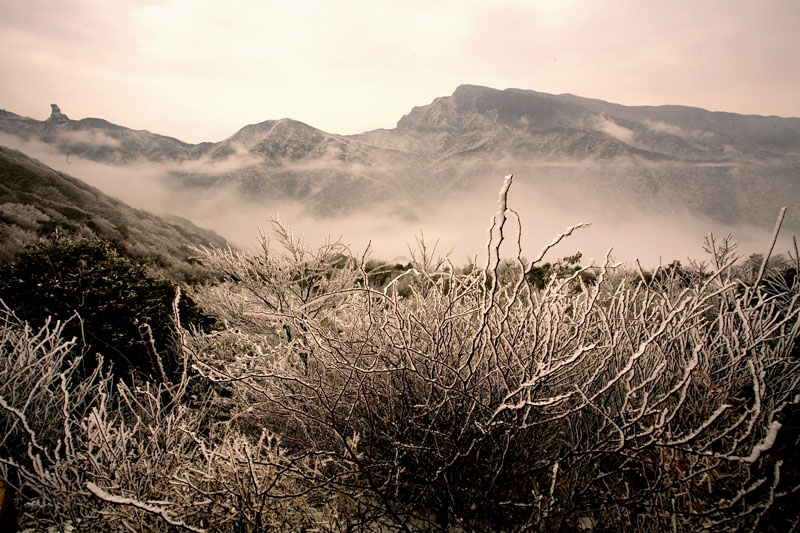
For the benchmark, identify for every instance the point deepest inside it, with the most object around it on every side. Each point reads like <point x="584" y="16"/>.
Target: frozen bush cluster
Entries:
<point x="468" y="401"/>
<point x="90" y="455"/>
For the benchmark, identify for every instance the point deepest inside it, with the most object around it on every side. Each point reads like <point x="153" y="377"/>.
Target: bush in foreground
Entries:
<point x="470" y="402"/>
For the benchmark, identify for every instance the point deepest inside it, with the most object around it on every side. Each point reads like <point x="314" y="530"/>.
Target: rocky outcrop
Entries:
<point x="56" y="115"/>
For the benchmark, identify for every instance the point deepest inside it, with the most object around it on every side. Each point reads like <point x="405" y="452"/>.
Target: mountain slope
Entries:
<point x="97" y="139"/>
<point x="37" y="201"/>
<point x="695" y="134"/>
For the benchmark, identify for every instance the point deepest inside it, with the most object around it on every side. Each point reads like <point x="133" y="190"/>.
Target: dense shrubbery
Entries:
<point x="429" y="398"/>
<point x="107" y="301"/>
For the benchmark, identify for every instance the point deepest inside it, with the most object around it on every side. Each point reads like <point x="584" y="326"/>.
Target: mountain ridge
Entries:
<point x="538" y="111"/>
<point x="736" y="166"/>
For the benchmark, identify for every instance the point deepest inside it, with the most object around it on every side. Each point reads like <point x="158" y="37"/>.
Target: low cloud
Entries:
<point x="663" y="127"/>
<point x="139" y="186"/>
<point x="701" y="134"/>
<point x="458" y="218"/>
<point x="615" y="130"/>
<point x="461" y="221"/>
<point x="87" y="137"/>
<point x="238" y="160"/>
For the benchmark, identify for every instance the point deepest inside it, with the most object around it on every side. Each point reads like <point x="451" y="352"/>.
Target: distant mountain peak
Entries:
<point x="56" y="115"/>
<point x="475" y="106"/>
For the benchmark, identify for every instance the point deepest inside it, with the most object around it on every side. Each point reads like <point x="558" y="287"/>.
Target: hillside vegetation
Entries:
<point x="491" y="398"/>
<point x="38" y="202"/>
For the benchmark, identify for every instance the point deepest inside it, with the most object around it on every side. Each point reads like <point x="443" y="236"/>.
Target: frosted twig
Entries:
<point x="121" y="500"/>
<point x="775" y="233"/>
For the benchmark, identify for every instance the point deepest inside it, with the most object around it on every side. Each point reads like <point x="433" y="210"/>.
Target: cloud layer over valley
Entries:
<point x="458" y="218"/>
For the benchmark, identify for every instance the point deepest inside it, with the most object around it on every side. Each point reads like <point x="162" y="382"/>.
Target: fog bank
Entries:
<point x="458" y="220"/>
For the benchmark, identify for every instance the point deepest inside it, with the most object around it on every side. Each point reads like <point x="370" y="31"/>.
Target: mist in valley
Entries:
<point x="453" y="213"/>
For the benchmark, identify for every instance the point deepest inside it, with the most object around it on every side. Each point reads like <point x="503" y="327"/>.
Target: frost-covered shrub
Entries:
<point x="480" y="401"/>
<point x="85" y="455"/>
<point x="476" y="399"/>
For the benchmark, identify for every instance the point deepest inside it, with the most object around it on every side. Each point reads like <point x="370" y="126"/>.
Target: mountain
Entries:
<point x="37" y="201"/>
<point x="571" y="150"/>
<point x="540" y="126"/>
<point x="96" y="139"/>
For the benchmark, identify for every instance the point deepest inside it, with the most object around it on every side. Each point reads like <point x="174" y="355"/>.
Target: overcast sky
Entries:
<point x="199" y="70"/>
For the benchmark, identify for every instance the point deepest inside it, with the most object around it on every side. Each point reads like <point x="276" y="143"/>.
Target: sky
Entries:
<point x="200" y="70"/>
